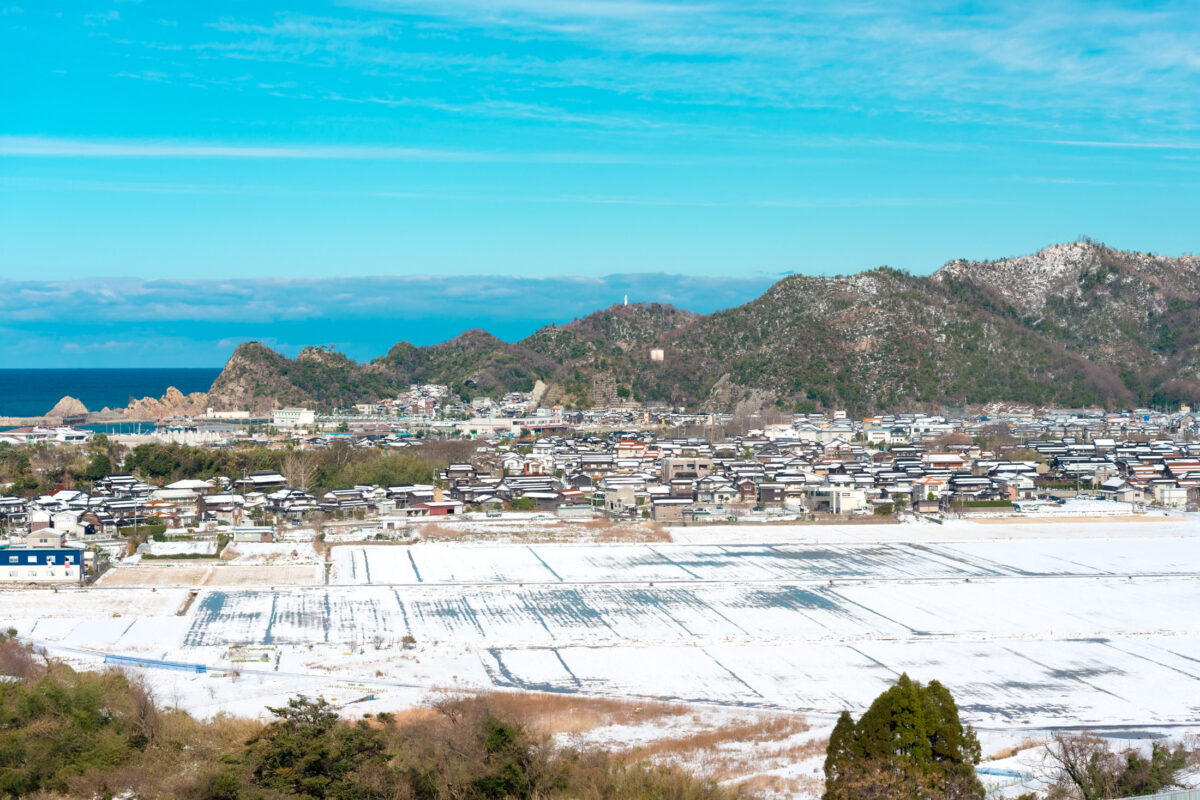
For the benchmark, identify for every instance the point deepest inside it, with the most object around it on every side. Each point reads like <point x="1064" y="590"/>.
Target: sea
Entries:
<point x="33" y="392"/>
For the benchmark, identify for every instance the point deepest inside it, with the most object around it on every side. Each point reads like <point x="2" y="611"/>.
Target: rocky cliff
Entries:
<point x="172" y="404"/>
<point x="67" y="407"/>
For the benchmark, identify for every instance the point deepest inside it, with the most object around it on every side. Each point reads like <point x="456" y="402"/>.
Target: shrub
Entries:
<point x="89" y="734"/>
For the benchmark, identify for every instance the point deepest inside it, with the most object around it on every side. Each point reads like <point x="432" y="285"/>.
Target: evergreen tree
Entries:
<point x="909" y="744"/>
<point x="306" y="753"/>
<point x="841" y="750"/>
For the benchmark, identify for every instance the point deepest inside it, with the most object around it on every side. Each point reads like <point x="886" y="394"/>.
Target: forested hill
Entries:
<point x="1075" y="324"/>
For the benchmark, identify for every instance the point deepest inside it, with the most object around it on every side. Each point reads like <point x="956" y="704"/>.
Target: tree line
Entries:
<point x="38" y="469"/>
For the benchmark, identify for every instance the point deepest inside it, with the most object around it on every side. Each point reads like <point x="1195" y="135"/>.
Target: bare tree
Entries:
<point x="338" y="454"/>
<point x="300" y="468"/>
<point x="1085" y="762"/>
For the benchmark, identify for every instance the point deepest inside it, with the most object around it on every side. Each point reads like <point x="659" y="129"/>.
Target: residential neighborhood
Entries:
<point x="613" y="465"/>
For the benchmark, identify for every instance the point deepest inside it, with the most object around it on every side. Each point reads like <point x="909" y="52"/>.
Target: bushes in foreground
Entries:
<point x="463" y="749"/>
<point x="57" y="724"/>
<point x="65" y="733"/>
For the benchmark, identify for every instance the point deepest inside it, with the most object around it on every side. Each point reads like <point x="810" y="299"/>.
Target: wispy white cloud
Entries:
<point x="1130" y="145"/>
<point x="46" y="147"/>
<point x="627" y="65"/>
<point x="725" y="201"/>
<point x="33" y="146"/>
<point x="1026" y="56"/>
<point x="102" y="17"/>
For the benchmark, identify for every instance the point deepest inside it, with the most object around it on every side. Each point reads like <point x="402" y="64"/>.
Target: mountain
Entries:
<point x="1075" y="324"/>
<point x="1134" y="313"/>
<point x="258" y="379"/>
<point x="472" y="363"/>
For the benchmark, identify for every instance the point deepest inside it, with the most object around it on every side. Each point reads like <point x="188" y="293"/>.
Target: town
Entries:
<point x="618" y="464"/>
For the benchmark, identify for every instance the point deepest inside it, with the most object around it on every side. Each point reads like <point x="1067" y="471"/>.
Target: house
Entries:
<point x="13" y="511"/>
<point x="225" y="507"/>
<point x="198" y="486"/>
<point x="67" y="523"/>
<point x="409" y="495"/>
<point x="262" y="479"/>
<point x="620" y="499"/>
<point x="544" y="501"/>
<point x="346" y="500"/>
<point x="45" y="537"/>
<point x="1121" y="491"/>
<point x="459" y="475"/>
<point x="580" y="480"/>
<point x="1170" y="495"/>
<point x="747" y="488"/>
<point x="441" y="508"/>
<point x="1017" y="487"/>
<point x="772" y="494"/>
<point x="291" y="502"/>
<point x="98" y="522"/>
<point x="715" y="491"/>
<point x="583" y="511"/>
<point x="394" y="523"/>
<point x="836" y="500"/>
<point x="258" y="533"/>
<point x="42" y="558"/>
<point x="671" y="509"/>
<point x="690" y="467"/>
<point x="184" y="499"/>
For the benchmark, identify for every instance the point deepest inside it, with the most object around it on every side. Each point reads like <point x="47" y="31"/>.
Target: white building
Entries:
<point x="41" y="557"/>
<point x="293" y="417"/>
<point x="1170" y="496"/>
<point x="836" y="499"/>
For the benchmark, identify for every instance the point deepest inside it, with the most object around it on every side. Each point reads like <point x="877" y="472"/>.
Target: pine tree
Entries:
<point x="841" y="749"/>
<point x="910" y="743"/>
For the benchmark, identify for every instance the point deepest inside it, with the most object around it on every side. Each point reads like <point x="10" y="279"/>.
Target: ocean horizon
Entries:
<point x="33" y="392"/>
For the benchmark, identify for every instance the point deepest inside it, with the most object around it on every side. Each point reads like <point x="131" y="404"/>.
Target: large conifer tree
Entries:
<point x="910" y="744"/>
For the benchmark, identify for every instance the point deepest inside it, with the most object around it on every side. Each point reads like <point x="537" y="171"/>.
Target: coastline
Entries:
<point x="31" y="396"/>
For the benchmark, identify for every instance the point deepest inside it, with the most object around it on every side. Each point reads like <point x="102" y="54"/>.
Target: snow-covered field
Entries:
<point x="1031" y="625"/>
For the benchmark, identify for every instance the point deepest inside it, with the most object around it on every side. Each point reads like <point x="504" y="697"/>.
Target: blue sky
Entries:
<point x="146" y="142"/>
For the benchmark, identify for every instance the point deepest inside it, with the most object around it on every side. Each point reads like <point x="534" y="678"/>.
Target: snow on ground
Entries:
<point x="463" y="563"/>
<point x="47" y="604"/>
<point x="249" y="553"/>
<point x="998" y="527"/>
<point x="206" y="573"/>
<point x="1032" y="626"/>
<point x="198" y="546"/>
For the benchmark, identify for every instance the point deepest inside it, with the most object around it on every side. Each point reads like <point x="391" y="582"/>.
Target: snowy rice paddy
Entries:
<point x="1031" y="626"/>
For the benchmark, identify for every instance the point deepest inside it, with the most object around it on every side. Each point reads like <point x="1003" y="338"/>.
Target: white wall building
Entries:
<point x="293" y="417"/>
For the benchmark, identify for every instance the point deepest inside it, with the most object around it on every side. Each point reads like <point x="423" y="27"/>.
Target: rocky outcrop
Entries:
<point x="67" y="407"/>
<point x="254" y="379"/>
<point x="172" y="404"/>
